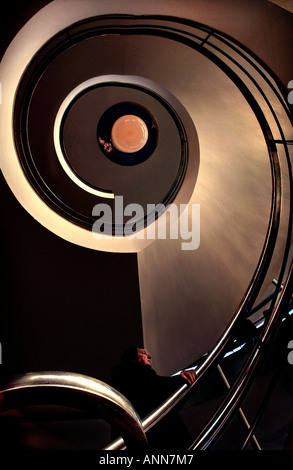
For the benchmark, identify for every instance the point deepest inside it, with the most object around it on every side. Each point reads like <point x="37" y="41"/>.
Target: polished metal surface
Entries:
<point x="281" y="126"/>
<point x="75" y="390"/>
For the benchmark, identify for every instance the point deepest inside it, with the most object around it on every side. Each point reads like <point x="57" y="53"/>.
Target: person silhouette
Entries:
<point x="135" y="378"/>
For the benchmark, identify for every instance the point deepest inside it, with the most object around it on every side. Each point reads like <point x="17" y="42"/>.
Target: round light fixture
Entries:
<point x="129" y="133"/>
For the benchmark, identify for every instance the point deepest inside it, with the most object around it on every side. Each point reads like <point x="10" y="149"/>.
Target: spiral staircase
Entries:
<point x="224" y="119"/>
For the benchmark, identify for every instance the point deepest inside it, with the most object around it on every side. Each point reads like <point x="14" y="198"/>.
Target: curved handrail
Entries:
<point x="237" y="392"/>
<point x="257" y="280"/>
<point x="253" y="288"/>
<point x="79" y="390"/>
<point x="246" y="376"/>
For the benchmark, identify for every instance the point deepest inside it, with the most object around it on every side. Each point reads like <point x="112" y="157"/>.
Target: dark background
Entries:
<point x="64" y="307"/>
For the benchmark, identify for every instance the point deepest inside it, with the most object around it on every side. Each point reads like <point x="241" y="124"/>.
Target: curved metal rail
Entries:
<point x="243" y="383"/>
<point x="279" y="300"/>
<point x="77" y="390"/>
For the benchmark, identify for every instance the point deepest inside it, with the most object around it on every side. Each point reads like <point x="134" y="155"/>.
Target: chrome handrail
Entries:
<point x="239" y="388"/>
<point x="76" y="390"/>
<point x="253" y="288"/>
<point x="246" y="376"/>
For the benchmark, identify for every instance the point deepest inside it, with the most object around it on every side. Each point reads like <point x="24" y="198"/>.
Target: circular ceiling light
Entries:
<point x="129" y="133"/>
